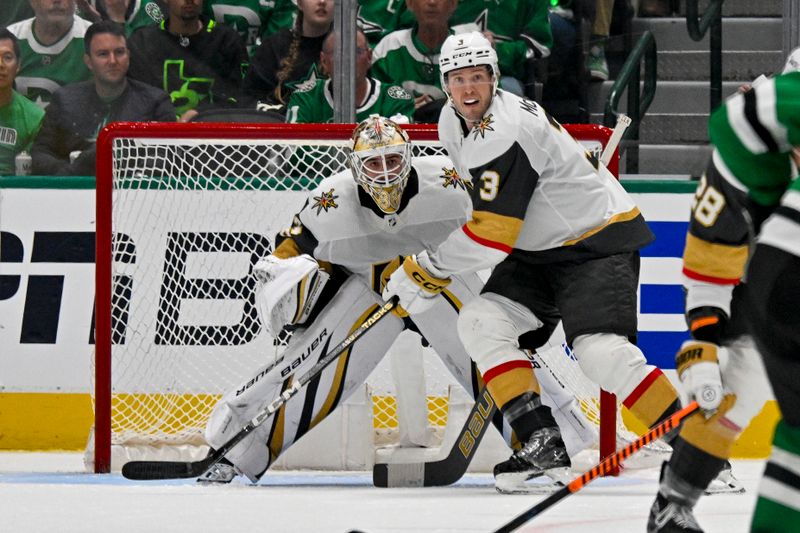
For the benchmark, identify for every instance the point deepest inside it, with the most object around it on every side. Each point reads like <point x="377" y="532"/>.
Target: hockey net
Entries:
<point x="183" y="213"/>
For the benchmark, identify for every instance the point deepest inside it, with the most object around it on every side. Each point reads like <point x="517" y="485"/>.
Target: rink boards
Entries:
<point x="47" y="289"/>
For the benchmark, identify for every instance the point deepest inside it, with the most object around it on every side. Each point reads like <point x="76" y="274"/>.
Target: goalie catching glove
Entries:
<point x="288" y="290"/>
<point x="414" y="285"/>
<point x="698" y="368"/>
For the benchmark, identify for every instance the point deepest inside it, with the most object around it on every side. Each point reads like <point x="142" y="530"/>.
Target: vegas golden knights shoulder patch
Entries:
<point x="326" y="200"/>
<point x="450" y="178"/>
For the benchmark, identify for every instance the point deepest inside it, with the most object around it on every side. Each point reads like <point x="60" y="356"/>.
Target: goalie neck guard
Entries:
<point x="381" y="161"/>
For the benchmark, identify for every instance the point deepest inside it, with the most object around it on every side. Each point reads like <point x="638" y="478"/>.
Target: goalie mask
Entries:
<point x="381" y="161"/>
<point x="467" y="50"/>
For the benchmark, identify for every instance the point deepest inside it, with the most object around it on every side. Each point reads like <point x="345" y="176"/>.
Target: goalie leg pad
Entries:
<point x="351" y="306"/>
<point x="576" y="430"/>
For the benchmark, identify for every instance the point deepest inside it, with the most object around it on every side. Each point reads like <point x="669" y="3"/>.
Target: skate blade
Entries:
<point x="531" y="488"/>
<point x="717" y="487"/>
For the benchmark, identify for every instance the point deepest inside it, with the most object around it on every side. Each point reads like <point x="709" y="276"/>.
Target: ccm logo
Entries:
<point x="425" y="284"/>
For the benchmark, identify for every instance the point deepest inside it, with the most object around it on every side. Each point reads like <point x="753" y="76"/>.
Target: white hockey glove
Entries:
<point x="287" y="290"/>
<point x="415" y="287"/>
<point x="698" y="368"/>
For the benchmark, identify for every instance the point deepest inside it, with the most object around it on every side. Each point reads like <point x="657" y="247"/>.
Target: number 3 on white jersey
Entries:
<point x="491" y="182"/>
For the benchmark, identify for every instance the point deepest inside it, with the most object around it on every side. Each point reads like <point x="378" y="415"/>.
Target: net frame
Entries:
<point x="233" y="132"/>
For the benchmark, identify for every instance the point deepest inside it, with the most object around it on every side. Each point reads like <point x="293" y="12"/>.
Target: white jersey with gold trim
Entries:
<point x="536" y="191"/>
<point x="339" y="223"/>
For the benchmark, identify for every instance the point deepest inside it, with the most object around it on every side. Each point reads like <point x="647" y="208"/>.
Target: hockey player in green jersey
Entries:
<point x="749" y="190"/>
<point x="314" y="103"/>
<point x="51" y="49"/>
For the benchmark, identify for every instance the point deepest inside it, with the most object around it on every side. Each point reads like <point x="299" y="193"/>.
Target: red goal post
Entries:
<point x="135" y="152"/>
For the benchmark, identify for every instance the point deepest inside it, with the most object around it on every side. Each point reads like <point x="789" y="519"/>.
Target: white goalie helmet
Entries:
<point x="463" y="50"/>
<point x="381" y="161"/>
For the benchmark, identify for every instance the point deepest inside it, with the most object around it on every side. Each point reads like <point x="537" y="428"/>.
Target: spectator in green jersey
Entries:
<point x="19" y="117"/>
<point x="410" y="57"/>
<point x="51" y="49"/>
<point x="14" y="11"/>
<point x="253" y="19"/>
<point x="314" y="102"/>
<point x="379" y="18"/>
<point x="519" y="30"/>
<point x="134" y="14"/>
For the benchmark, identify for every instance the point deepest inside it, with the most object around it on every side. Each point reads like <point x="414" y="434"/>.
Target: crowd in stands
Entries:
<point x="69" y="67"/>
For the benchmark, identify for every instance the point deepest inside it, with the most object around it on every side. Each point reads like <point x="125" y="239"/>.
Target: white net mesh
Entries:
<point x="190" y="217"/>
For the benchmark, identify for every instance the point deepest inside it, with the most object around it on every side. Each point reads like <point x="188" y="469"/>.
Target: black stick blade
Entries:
<point x="148" y="470"/>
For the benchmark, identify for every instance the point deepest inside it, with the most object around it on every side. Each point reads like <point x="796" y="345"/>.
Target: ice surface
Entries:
<point x="46" y="492"/>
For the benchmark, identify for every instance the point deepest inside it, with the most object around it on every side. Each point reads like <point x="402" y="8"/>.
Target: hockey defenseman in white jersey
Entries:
<point x="324" y="280"/>
<point x="562" y="237"/>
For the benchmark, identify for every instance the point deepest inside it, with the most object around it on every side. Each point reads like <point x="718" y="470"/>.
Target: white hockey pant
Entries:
<point x="490" y="326"/>
<point x="612" y="362"/>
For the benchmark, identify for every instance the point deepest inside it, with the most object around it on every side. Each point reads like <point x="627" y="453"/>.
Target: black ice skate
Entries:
<point x="668" y="516"/>
<point x="543" y="455"/>
<point x="219" y="474"/>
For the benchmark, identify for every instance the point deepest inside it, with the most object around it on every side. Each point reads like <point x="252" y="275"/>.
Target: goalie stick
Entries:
<point x="606" y="465"/>
<point x="148" y="470"/>
<point x="450" y="469"/>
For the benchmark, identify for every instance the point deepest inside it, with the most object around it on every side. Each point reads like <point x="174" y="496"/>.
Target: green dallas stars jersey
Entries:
<point x="756" y="136"/>
<point x="751" y="169"/>
<point x="521" y="28"/>
<point x="378" y="18"/>
<point x="252" y="18"/>
<point x="314" y="103"/>
<point x="19" y="123"/>
<point x="46" y="68"/>
<point x="144" y="13"/>
<point x="140" y="13"/>
<point x="753" y="135"/>
<point x="400" y="56"/>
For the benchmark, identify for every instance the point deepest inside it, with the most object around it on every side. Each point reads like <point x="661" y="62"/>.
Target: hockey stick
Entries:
<point x="186" y="469"/>
<point x="623" y="121"/>
<point x="450" y="469"/>
<point x="606" y="465"/>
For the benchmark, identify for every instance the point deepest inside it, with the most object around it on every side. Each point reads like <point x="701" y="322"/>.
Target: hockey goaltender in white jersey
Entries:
<point x="324" y="279"/>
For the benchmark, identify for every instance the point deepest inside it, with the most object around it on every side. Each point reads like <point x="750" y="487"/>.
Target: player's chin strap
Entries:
<point x="144" y="470"/>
